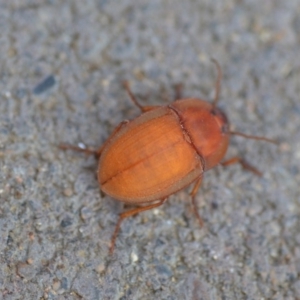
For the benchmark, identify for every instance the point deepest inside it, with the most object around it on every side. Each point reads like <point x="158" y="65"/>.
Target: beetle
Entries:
<point x="164" y="150"/>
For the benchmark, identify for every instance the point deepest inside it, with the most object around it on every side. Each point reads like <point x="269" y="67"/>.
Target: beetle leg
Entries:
<point x="90" y="151"/>
<point x="193" y="195"/>
<point x="178" y="91"/>
<point x="128" y="214"/>
<point x="134" y="100"/>
<point x="243" y="163"/>
<point x="240" y="160"/>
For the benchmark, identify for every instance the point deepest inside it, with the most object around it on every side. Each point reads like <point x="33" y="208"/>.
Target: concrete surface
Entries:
<point x="61" y="68"/>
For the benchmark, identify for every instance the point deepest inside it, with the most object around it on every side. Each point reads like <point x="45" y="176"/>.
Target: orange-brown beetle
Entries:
<point x="162" y="151"/>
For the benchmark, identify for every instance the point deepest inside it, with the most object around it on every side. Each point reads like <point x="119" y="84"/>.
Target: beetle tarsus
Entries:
<point x="243" y="163"/>
<point x="87" y="151"/>
<point x="193" y="196"/>
<point x="128" y="214"/>
<point x="200" y="220"/>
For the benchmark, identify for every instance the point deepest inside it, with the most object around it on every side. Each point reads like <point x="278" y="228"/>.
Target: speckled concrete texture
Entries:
<point x="62" y="64"/>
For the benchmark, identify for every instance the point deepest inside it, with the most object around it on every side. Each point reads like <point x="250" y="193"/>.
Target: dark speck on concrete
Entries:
<point x="45" y="85"/>
<point x="66" y="222"/>
<point x="64" y="283"/>
<point x="9" y="240"/>
<point x="214" y="205"/>
<point x="163" y="271"/>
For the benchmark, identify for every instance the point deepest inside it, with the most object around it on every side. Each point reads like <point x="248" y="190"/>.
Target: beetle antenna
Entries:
<point x="254" y="137"/>
<point x="218" y="82"/>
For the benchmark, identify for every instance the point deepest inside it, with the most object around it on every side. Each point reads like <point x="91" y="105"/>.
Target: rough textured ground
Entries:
<point x="61" y="68"/>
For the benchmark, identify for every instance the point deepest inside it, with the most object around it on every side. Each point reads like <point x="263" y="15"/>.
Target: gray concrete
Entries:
<point x="61" y="68"/>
